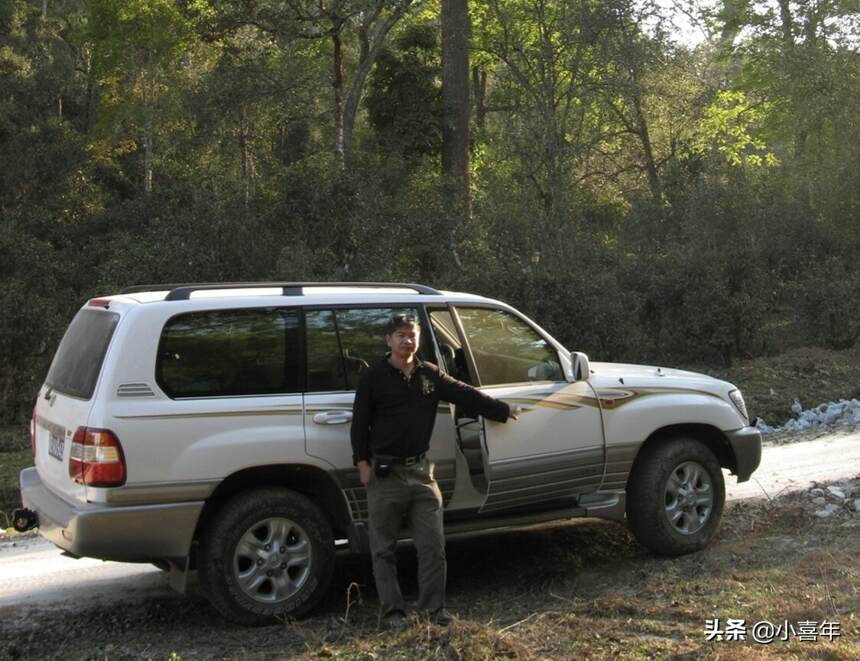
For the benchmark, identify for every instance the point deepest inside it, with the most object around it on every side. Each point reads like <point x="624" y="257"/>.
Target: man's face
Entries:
<point x="403" y="342"/>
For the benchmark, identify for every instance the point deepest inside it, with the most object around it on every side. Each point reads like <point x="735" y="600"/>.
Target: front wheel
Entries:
<point x="268" y="554"/>
<point x="675" y="497"/>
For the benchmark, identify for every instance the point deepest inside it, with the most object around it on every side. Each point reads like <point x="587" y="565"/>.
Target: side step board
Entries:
<point x="603" y="505"/>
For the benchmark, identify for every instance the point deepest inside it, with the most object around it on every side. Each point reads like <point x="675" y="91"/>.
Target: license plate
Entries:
<point x="56" y="445"/>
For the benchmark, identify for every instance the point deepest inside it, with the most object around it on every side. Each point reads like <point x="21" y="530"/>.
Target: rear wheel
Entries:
<point x="675" y="497"/>
<point x="268" y="554"/>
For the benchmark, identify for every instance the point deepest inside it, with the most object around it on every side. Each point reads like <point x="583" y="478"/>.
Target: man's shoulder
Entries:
<point x="431" y="370"/>
<point x="375" y="368"/>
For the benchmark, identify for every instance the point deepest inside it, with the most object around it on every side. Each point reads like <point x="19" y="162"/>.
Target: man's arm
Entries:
<point x="362" y="413"/>
<point x="471" y="399"/>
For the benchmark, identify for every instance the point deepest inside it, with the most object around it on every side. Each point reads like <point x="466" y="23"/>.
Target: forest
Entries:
<point x="645" y="195"/>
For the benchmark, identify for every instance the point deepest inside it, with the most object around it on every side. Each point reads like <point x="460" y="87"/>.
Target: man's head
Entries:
<point x="402" y="335"/>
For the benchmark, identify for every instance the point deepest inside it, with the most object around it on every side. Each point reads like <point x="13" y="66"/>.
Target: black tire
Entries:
<point x="675" y="496"/>
<point x="283" y="566"/>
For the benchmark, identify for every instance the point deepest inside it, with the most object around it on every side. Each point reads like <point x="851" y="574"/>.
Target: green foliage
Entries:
<point x="404" y="100"/>
<point x="728" y="125"/>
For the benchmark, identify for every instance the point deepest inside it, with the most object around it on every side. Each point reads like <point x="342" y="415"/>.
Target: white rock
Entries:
<point x="827" y="511"/>
<point x="857" y="505"/>
<point x="819" y="500"/>
<point x="837" y="492"/>
<point x="832" y="414"/>
<point x="822" y="416"/>
<point x="817" y="491"/>
<point x="763" y="427"/>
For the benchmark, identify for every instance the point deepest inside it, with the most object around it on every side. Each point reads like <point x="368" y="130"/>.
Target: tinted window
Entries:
<point x="325" y="367"/>
<point x="81" y="353"/>
<point x="453" y="357"/>
<point x="342" y="343"/>
<point x="507" y="349"/>
<point x="230" y="352"/>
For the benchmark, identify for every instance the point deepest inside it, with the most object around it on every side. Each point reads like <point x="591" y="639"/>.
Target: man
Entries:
<point x="393" y="417"/>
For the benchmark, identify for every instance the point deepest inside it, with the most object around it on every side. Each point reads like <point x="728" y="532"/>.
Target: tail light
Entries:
<point x="33" y="432"/>
<point x="96" y="458"/>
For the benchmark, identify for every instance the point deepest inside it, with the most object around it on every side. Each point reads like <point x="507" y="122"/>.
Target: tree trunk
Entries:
<point x="647" y="149"/>
<point x="787" y="22"/>
<point x="479" y="93"/>
<point x="90" y="92"/>
<point x="245" y="156"/>
<point x="337" y="83"/>
<point x="370" y="48"/>
<point x="147" y="152"/>
<point x="456" y="28"/>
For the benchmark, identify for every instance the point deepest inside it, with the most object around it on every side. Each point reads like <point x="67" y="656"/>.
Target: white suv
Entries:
<point x="207" y="427"/>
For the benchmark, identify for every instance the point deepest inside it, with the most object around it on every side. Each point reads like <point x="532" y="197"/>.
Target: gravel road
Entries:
<point x="34" y="576"/>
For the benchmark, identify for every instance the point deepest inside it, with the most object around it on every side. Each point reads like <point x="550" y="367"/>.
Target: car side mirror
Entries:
<point x="581" y="366"/>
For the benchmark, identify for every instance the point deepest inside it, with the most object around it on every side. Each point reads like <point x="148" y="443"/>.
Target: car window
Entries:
<point x="343" y="343"/>
<point x="230" y="352"/>
<point x="81" y="353"/>
<point x="325" y="366"/>
<point x="506" y="349"/>
<point x="447" y="339"/>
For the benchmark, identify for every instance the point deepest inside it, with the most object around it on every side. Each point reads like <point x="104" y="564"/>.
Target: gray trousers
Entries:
<point x="409" y="492"/>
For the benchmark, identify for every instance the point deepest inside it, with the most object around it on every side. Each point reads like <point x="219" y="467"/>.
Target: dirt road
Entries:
<point x="798" y="465"/>
<point x="38" y="584"/>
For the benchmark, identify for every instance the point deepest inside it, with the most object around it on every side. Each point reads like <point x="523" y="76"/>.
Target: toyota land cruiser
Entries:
<point x="206" y="427"/>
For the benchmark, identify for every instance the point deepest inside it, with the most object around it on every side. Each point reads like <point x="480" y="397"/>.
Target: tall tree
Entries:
<point x="138" y="46"/>
<point x="628" y="54"/>
<point x="356" y="30"/>
<point x="456" y="32"/>
<point x="547" y="77"/>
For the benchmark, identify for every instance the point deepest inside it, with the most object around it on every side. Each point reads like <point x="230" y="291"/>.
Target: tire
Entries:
<point x="675" y="497"/>
<point x="267" y="555"/>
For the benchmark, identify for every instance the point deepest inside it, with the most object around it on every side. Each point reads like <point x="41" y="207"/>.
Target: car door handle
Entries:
<point x="333" y="417"/>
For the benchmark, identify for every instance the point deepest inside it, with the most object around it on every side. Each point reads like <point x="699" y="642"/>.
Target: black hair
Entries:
<point x="399" y="321"/>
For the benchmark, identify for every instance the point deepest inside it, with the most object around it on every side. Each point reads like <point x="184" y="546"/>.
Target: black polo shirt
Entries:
<point x="394" y="415"/>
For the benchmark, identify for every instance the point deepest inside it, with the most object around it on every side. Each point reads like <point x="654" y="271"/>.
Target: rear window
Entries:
<point x="81" y="353"/>
<point x="222" y="353"/>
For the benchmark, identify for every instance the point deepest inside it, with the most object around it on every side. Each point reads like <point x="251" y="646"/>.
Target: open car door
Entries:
<point x="555" y="451"/>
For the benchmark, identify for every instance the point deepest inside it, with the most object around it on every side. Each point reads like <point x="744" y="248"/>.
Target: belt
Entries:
<point x="411" y="461"/>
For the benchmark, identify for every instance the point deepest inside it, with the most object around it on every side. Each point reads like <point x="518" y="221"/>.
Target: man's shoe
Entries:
<point x="441" y="617"/>
<point x="395" y="621"/>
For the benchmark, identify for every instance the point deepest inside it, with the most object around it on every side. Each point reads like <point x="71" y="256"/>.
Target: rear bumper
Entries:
<point x="746" y="445"/>
<point x="141" y="533"/>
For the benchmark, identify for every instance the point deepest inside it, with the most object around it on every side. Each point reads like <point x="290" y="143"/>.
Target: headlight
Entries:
<point x="738" y="401"/>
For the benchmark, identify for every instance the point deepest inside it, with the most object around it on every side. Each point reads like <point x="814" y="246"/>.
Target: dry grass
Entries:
<point x="576" y="590"/>
<point x="771" y="383"/>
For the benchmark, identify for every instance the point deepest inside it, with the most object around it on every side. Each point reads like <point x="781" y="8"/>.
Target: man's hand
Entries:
<point x="516" y="411"/>
<point x="363" y="472"/>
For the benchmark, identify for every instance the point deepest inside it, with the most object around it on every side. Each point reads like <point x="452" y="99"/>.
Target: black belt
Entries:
<point x="411" y="461"/>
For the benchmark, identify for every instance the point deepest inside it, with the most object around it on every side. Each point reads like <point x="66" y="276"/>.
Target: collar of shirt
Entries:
<point x="396" y="370"/>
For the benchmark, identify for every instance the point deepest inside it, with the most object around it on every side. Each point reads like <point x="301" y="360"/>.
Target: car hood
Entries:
<point x="615" y="375"/>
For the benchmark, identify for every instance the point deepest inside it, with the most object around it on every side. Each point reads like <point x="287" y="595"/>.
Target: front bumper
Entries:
<point x="141" y="533"/>
<point x="746" y="446"/>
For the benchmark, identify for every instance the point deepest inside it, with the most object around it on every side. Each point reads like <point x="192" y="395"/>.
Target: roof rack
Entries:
<point x="182" y="292"/>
